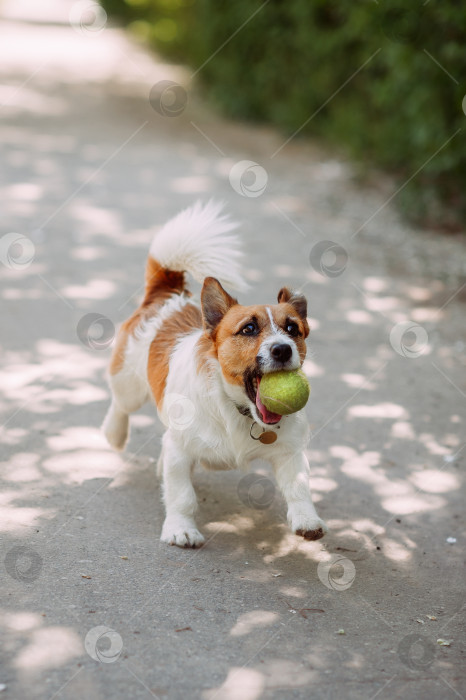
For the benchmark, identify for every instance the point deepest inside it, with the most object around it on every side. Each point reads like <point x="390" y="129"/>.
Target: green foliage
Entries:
<point x="365" y="75"/>
<point x="165" y="24"/>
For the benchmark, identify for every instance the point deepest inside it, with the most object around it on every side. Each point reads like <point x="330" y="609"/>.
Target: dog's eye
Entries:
<point x="249" y="329"/>
<point x="292" y="329"/>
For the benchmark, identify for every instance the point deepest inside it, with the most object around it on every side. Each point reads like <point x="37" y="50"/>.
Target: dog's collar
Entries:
<point x="266" y="437"/>
<point x="244" y="410"/>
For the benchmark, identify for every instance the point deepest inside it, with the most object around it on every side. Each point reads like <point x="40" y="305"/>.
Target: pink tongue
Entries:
<point x="266" y="415"/>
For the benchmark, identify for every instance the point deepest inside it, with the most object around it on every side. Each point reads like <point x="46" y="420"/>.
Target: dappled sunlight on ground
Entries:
<point x="251" y="620"/>
<point x="435" y="481"/>
<point x="240" y="684"/>
<point x="16" y="519"/>
<point x="49" y="648"/>
<point x="89" y="172"/>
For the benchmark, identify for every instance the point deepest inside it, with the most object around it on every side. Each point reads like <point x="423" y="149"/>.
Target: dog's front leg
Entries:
<point x="180" y="498"/>
<point x="292" y="474"/>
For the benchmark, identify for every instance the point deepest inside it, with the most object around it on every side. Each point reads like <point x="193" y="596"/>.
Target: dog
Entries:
<point x="202" y="364"/>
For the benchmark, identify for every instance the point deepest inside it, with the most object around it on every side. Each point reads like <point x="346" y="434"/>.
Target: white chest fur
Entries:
<point x="200" y="413"/>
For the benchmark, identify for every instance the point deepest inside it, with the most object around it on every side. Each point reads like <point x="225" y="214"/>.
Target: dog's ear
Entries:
<point x="215" y="302"/>
<point x="299" y="303"/>
<point x="285" y="295"/>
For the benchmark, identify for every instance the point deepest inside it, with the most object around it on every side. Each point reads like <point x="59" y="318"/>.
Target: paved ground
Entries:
<point x="88" y="169"/>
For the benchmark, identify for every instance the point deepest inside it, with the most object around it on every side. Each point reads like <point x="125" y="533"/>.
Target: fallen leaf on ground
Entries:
<point x="303" y="611"/>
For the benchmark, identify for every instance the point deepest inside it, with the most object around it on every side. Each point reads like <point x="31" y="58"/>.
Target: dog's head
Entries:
<point x="250" y="341"/>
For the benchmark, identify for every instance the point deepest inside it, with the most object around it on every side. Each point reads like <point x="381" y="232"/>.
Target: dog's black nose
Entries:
<point x="281" y="352"/>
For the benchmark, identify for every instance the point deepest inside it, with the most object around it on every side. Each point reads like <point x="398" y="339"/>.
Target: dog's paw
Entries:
<point x="116" y="429"/>
<point x="316" y="533"/>
<point x="311" y="527"/>
<point x="182" y="533"/>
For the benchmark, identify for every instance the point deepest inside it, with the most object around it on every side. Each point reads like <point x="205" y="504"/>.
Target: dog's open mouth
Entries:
<point x="252" y="384"/>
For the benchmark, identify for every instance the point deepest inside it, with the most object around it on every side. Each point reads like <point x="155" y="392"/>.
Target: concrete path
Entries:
<point x="93" y="159"/>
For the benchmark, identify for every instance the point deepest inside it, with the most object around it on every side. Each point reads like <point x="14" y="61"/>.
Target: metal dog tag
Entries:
<point x="268" y="437"/>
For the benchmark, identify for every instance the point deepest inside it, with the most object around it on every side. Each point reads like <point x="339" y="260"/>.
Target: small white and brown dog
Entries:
<point x="203" y="364"/>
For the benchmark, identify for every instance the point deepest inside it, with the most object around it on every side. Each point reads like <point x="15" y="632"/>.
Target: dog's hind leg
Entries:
<point x="129" y="393"/>
<point x="180" y="498"/>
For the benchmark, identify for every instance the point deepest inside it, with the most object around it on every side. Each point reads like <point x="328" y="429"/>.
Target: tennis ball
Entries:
<point x="284" y="392"/>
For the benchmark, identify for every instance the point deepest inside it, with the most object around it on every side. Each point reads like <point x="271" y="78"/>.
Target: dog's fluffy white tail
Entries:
<point x="199" y="241"/>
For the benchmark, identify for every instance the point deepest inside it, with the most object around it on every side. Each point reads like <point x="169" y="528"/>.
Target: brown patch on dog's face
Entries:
<point x="243" y="330"/>
<point x="243" y="336"/>
<point x="298" y="301"/>
<point x="238" y="340"/>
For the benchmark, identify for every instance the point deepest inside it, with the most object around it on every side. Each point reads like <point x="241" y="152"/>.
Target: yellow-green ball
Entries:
<point x="284" y="392"/>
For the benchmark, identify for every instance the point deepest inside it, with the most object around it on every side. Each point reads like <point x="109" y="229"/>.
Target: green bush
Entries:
<point x="394" y="70"/>
<point x="164" y="24"/>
